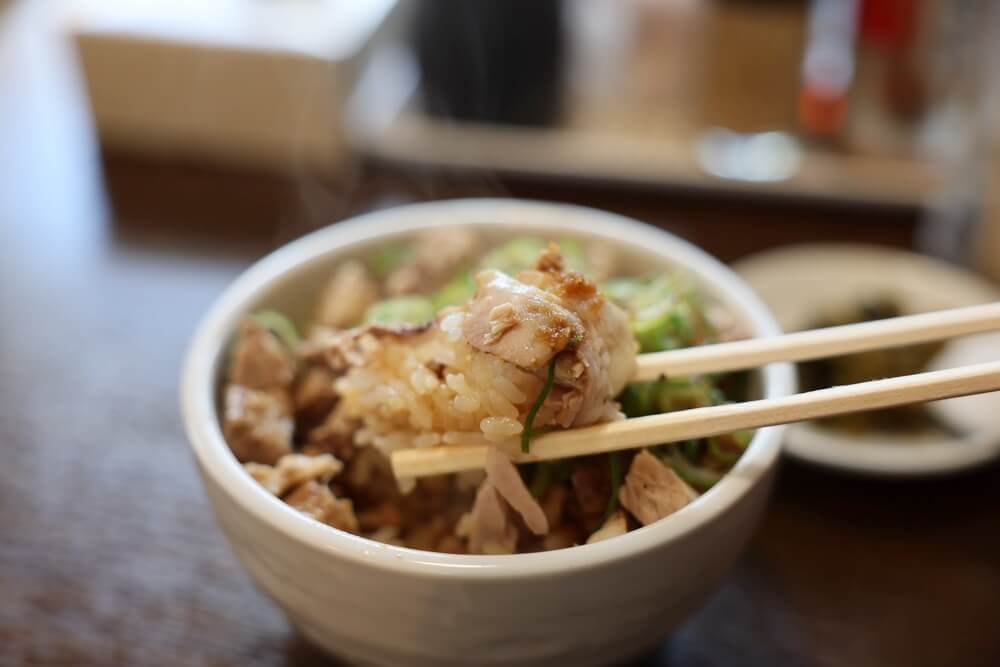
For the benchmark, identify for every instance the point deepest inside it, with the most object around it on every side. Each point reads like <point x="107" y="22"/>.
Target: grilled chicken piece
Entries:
<point x="489" y="526"/>
<point x="552" y="313"/>
<point x="591" y="482"/>
<point x="335" y="435"/>
<point x="652" y="490"/>
<point x="259" y="360"/>
<point x="257" y="424"/>
<point x="601" y="364"/>
<point x="503" y="475"/>
<point x="436" y="256"/>
<point x="554" y="503"/>
<point x="615" y="525"/>
<point x="317" y="501"/>
<point x="346" y="297"/>
<point x="517" y="322"/>
<point x="314" y="395"/>
<point x="292" y="470"/>
<point x="333" y="349"/>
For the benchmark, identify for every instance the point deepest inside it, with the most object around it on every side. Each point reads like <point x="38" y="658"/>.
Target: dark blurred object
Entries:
<point x="494" y="62"/>
<point x="874" y="365"/>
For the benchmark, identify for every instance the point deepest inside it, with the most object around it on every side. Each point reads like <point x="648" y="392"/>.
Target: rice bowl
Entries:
<point x="392" y="605"/>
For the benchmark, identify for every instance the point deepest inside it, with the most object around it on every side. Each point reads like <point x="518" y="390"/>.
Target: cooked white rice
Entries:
<point x="431" y="388"/>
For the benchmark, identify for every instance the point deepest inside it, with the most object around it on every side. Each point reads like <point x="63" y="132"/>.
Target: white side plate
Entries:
<point x="799" y="282"/>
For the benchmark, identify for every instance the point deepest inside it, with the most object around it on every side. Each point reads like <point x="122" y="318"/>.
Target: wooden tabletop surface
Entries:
<point x="108" y="550"/>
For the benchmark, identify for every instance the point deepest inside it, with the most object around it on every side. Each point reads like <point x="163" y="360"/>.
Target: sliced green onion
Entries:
<point x="400" y="310"/>
<point x="715" y="395"/>
<point x="542" y="479"/>
<point x="729" y="455"/>
<point x="459" y="290"/>
<point x="279" y="325"/>
<point x="573" y="253"/>
<point x="683" y="394"/>
<point x="560" y="471"/>
<point x="389" y="258"/>
<point x="720" y="453"/>
<point x="514" y="255"/>
<point x="680" y="322"/>
<point x="652" y="328"/>
<point x="542" y="395"/>
<point x="616" y="484"/>
<point x="699" y="478"/>
<point x="692" y="449"/>
<point x="623" y="291"/>
<point x="638" y="399"/>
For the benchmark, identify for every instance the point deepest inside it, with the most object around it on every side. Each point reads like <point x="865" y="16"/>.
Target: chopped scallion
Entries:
<point x="280" y="326"/>
<point x="700" y="478"/>
<point x="400" y="310"/>
<point x="542" y="479"/>
<point x="542" y="395"/>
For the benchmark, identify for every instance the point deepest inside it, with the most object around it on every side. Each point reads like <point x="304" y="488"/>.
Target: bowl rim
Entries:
<point x="216" y="461"/>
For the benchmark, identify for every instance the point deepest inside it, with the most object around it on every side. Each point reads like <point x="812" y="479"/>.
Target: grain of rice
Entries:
<point x="458" y="384"/>
<point x="500" y="428"/>
<point x="500" y="407"/>
<point x="421" y="416"/>
<point x="418" y="380"/>
<point x="465" y="403"/>
<point x="509" y="390"/>
<point x="451" y="325"/>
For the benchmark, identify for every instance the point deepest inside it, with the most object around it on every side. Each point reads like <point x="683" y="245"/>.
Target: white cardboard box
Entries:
<point x="258" y="82"/>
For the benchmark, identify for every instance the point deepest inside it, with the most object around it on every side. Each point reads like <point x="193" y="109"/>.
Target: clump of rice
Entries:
<point x="433" y="388"/>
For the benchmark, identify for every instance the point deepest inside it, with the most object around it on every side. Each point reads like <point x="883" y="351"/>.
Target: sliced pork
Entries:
<point x="257" y="424"/>
<point x="652" y="490"/>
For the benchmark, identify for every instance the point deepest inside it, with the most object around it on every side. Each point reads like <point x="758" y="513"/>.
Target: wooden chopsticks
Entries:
<point x="706" y="422"/>
<point x="710" y="421"/>
<point x="820" y="343"/>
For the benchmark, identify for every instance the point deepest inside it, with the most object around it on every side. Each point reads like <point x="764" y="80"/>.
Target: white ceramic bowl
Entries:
<point x="374" y="603"/>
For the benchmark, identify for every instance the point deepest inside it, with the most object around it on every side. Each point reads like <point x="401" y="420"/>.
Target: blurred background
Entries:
<point x="152" y="149"/>
<point x="873" y="115"/>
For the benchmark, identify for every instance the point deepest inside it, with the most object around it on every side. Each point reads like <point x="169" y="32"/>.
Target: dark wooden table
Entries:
<point x="108" y="551"/>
